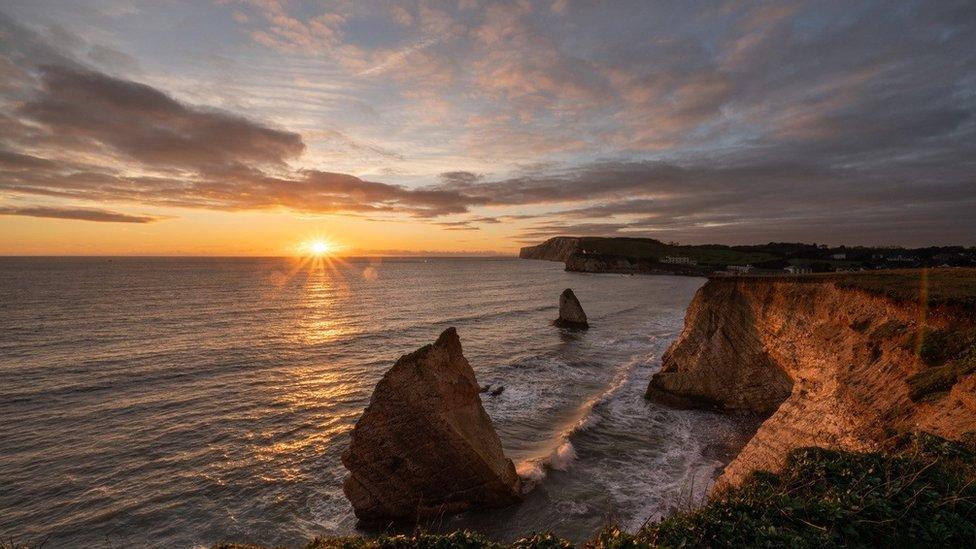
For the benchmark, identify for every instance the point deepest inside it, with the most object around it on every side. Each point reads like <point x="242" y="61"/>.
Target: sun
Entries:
<point x="318" y="248"/>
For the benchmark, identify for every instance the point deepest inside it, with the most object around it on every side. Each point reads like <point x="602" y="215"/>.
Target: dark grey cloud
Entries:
<point x="83" y="214"/>
<point x="709" y="201"/>
<point x="846" y="121"/>
<point x="146" y="125"/>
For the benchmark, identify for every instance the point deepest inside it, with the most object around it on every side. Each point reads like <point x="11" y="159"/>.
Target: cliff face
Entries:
<point x="425" y="446"/>
<point x="832" y="367"/>
<point x="558" y="248"/>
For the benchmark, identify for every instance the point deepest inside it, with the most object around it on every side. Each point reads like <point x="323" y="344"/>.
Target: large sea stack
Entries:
<point x="571" y="313"/>
<point x="425" y="447"/>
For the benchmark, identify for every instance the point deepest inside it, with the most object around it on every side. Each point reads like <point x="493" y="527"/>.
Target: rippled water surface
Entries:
<point x="179" y="402"/>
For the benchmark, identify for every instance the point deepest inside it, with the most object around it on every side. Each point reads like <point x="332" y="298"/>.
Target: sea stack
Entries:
<point x="424" y="447"/>
<point x="571" y="313"/>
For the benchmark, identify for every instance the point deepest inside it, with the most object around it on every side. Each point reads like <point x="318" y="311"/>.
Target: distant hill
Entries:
<point x="648" y="255"/>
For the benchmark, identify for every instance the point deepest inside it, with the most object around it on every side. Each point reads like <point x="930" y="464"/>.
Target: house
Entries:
<point x="838" y="256"/>
<point x="740" y="269"/>
<point x="677" y="260"/>
<point x="798" y="269"/>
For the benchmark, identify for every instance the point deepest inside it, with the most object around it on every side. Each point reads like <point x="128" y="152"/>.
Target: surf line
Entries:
<point x="562" y="454"/>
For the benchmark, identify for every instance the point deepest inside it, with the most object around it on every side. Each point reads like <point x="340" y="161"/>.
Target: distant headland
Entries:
<point x="591" y="254"/>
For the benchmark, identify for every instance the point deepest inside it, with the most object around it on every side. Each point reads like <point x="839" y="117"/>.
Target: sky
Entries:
<point x="246" y="127"/>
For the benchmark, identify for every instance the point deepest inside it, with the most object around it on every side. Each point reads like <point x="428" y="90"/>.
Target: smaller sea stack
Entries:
<point x="571" y="313"/>
<point x="424" y="447"/>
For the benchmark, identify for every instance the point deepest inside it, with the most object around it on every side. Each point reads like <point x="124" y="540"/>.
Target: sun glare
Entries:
<point x="318" y="248"/>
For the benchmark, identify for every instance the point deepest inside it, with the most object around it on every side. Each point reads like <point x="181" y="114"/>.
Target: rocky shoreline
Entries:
<point x="828" y="365"/>
<point x="871" y="373"/>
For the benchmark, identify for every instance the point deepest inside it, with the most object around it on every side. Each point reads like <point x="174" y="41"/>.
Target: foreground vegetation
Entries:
<point x="920" y="492"/>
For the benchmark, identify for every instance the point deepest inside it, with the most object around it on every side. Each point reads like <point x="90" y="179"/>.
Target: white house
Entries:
<point x="797" y="269"/>
<point x="677" y="260"/>
<point x="740" y="269"/>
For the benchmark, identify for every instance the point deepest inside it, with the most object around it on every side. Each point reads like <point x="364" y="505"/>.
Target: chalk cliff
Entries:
<point x="558" y="248"/>
<point x="831" y="366"/>
<point x="424" y="447"/>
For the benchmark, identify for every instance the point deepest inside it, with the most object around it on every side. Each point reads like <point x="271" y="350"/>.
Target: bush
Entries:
<point x="932" y="380"/>
<point x="922" y="498"/>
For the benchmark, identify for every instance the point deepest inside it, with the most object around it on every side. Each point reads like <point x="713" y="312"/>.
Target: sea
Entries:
<point x="179" y="402"/>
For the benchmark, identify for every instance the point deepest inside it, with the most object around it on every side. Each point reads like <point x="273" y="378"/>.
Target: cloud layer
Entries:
<point x="103" y="216"/>
<point x="733" y="122"/>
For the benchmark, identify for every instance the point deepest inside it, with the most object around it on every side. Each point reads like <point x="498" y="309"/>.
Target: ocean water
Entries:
<point x="180" y="402"/>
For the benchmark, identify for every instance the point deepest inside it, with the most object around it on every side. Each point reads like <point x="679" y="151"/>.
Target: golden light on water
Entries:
<point x="325" y="278"/>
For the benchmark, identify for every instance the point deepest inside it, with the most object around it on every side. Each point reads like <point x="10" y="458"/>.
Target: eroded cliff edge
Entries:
<point x="831" y="366"/>
<point x="559" y="248"/>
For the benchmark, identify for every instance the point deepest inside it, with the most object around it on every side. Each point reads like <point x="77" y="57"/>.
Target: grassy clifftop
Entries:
<point x="919" y="493"/>
<point x="953" y="287"/>
<point x="773" y="256"/>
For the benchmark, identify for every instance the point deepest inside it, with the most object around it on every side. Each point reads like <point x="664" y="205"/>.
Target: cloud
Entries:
<point x="148" y="126"/>
<point x="82" y="214"/>
<point x="738" y="121"/>
<point x="457" y="225"/>
<point x="78" y="133"/>
<point x="322" y="32"/>
<point x="711" y="201"/>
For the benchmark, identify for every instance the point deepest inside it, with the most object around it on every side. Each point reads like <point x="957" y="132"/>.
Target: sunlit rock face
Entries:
<point x="830" y="367"/>
<point x="571" y="313"/>
<point x="558" y="248"/>
<point x="425" y="447"/>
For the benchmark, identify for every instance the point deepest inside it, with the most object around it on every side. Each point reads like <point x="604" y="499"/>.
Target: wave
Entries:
<point x="534" y="470"/>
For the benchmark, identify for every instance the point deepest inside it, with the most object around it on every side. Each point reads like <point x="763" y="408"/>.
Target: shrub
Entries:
<point x="889" y="329"/>
<point x="825" y="498"/>
<point x="932" y="380"/>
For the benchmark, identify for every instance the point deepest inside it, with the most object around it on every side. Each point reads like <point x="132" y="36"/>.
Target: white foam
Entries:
<point x="533" y="471"/>
<point x="563" y="457"/>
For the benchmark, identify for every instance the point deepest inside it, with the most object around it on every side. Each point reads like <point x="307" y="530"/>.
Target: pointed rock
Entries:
<point x="424" y="446"/>
<point x="571" y="313"/>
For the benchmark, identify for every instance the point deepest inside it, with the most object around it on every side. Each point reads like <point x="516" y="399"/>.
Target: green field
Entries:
<point x="775" y="256"/>
<point x="953" y="287"/>
<point x="650" y="248"/>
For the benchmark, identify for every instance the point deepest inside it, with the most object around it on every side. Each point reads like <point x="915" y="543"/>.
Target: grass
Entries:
<point x="889" y="329"/>
<point x="941" y="287"/>
<point x="954" y="287"/>
<point x="461" y="539"/>
<point x="938" y="379"/>
<point x="922" y="496"/>
<point x="946" y="356"/>
<point x="921" y="492"/>
<point x="651" y="248"/>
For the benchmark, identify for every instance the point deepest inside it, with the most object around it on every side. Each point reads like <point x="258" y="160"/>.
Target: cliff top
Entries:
<point x="772" y="256"/>
<point x="948" y="287"/>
